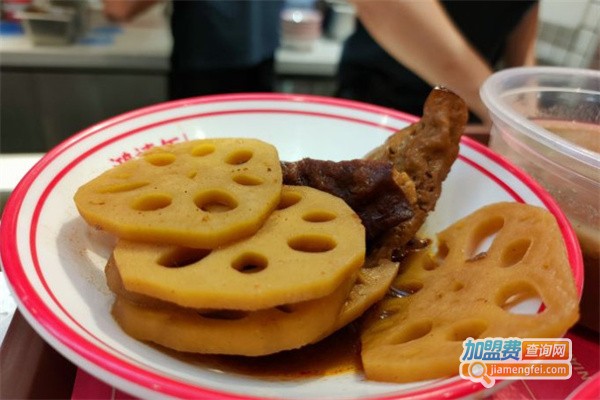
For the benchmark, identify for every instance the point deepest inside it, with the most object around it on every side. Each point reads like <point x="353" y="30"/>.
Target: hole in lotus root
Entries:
<point x="482" y="238"/>
<point x="312" y="243"/>
<point x="319" y="216"/>
<point x="248" y="180"/>
<point x="182" y="257"/>
<point x="468" y="328"/>
<point x="202" y="149"/>
<point x="215" y="201"/>
<point x="514" y="252"/>
<point x="151" y="202"/>
<point x="440" y="255"/>
<point x="518" y="298"/>
<point x="405" y="289"/>
<point x="250" y="263"/>
<point x="160" y="159"/>
<point x="285" y="308"/>
<point x="412" y="331"/>
<point x="238" y="157"/>
<point x="288" y="199"/>
<point x="229" y="315"/>
<point x="122" y="187"/>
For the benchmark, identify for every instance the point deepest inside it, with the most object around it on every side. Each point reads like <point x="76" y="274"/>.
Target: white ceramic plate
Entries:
<point x="54" y="262"/>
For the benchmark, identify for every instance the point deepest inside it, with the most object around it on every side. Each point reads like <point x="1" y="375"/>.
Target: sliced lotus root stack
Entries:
<point x="201" y="193"/>
<point x="233" y="332"/>
<point x="370" y="285"/>
<point x="463" y="292"/>
<point x="304" y="251"/>
<point x="227" y="331"/>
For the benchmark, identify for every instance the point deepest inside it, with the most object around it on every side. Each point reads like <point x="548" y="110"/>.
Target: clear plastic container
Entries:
<point x="546" y="120"/>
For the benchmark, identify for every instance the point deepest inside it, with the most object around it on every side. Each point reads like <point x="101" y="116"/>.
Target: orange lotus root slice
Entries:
<point x="464" y="292"/>
<point x="233" y="332"/>
<point x="305" y="250"/>
<point x="275" y="329"/>
<point x="202" y="193"/>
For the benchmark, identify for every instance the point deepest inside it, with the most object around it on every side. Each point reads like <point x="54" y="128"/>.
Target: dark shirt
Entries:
<point x="223" y="34"/>
<point x="368" y="73"/>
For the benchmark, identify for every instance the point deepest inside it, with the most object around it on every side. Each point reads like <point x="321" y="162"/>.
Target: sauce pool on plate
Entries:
<point x="338" y="353"/>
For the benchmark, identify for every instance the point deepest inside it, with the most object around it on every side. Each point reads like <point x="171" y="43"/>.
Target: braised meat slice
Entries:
<point x="425" y="151"/>
<point x="396" y="186"/>
<point x="374" y="189"/>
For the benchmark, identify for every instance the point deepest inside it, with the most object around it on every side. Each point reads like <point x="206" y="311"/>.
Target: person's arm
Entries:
<point x="126" y="10"/>
<point x="520" y="45"/>
<point x="421" y="36"/>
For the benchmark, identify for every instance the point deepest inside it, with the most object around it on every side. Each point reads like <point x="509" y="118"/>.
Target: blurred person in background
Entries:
<point x="402" y="48"/>
<point x="218" y="46"/>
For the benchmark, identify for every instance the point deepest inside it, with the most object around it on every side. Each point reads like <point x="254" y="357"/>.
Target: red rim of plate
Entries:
<point x="589" y="389"/>
<point x="152" y="381"/>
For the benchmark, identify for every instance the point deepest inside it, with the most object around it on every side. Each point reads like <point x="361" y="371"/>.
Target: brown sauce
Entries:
<point x="339" y="353"/>
<point x="584" y="135"/>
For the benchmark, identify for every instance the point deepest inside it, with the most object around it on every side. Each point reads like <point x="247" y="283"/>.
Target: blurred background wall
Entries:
<point x="568" y="33"/>
<point x="49" y="91"/>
